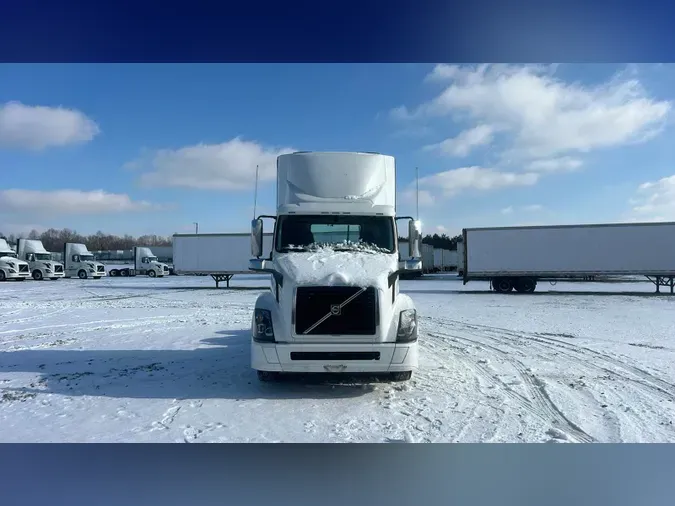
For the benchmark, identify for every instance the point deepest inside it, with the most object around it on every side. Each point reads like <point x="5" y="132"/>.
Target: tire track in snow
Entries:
<point x="587" y="356"/>
<point x="642" y="382"/>
<point x="538" y="403"/>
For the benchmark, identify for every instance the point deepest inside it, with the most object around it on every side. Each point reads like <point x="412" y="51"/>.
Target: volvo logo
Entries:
<point x="335" y="309"/>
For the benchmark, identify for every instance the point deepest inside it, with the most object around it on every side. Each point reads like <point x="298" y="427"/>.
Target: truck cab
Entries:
<point x="11" y="267"/>
<point x="146" y="263"/>
<point x="39" y="259"/>
<point x="79" y="261"/>
<point x="334" y="304"/>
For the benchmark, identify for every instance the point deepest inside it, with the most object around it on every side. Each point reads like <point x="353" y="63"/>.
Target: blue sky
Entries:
<point x="153" y="148"/>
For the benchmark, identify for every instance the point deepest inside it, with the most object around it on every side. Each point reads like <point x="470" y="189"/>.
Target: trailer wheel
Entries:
<point x="152" y="273"/>
<point x="124" y="273"/>
<point x="502" y="285"/>
<point x="82" y="274"/>
<point x="113" y="273"/>
<point x="37" y="275"/>
<point x="525" y="285"/>
<point x="2" y="276"/>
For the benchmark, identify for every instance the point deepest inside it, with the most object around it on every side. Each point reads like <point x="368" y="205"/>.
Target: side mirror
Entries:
<point x="415" y="238"/>
<point x="257" y="238"/>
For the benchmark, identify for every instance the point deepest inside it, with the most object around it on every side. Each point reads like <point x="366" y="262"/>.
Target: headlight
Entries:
<point x="407" y="326"/>
<point x="263" y="330"/>
<point x="12" y="265"/>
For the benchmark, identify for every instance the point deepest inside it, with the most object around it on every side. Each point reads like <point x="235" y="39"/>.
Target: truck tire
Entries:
<point x="124" y="273"/>
<point x="82" y="274"/>
<point x="525" y="285"/>
<point x="37" y="275"/>
<point x="114" y="273"/>
<point x="502" y="285"/>
<point x="2" y="276"/>
<point x="267" y="376"/>
<point x="152" y="273"/>
<point x="401" y="375"/>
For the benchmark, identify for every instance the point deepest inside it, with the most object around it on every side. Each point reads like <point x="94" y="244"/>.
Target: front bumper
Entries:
<point x="17" y="275"/>
<point x="343" y="358"/>
<point x="54" y="274"/>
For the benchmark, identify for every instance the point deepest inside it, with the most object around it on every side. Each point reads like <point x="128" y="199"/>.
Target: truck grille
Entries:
<point x="23" y="268"/>
<point x="100" y="268"/>
<point x="357" y="317"/>
<point x="58" y="268"/>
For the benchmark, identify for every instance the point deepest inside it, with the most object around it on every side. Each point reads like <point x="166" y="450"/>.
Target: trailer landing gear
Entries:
<point x="222" y="277"/>
<point x="660" y="281"/>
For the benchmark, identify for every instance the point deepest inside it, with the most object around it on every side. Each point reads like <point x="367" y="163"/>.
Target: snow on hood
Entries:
<point x="5" y="258"/>
<point x="361" y="266"/>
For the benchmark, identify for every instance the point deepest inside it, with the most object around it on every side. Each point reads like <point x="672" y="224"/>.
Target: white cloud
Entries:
<point x="39" y="127"/>
<point x="426" y="199"/>
<point x="452" y="182"/>
<point x="655" y="201"/>
<point x="462" y="145"/>
<point x="227" y="166"/>
<point x="528" y="209"/>
<point x="19" y="229"/>
<point x="545" y="116"/>
<point x="68" y="202"/>
<point x="562" y="164"/>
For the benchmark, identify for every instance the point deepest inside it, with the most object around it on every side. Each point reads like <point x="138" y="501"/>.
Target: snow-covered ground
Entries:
<point x="137" y="359"/>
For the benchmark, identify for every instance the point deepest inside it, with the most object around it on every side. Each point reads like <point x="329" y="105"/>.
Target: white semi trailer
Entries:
<point x="145" y="262"/>
<point x="220" y="256"/>
<point x="11" y="267"/>
<point x="516" y="258"/>
<point x="39" y="259"/>
<point x="334" y="303"/>
<point x="79" y="261"/>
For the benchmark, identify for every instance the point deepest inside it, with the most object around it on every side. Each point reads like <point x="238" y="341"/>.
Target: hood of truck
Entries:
<point x="51" y="263"/>
<point x="4" y="258"/>
<point x="336" y="268"/>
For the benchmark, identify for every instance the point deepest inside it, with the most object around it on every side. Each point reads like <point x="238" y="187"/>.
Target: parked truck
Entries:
<point x="11" y="267"/>
<point x="78" y="261"/>
<point x="220" y="256"/>
<point x="516" y="258"/>
<point x="39" y="260"/>
<point x="334" y="303"/>
<point x="145" y="262"/>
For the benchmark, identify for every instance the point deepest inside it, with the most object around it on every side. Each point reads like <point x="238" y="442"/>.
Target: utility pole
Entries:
<point x="196" y="227"/>
<point x="417" y="194"/>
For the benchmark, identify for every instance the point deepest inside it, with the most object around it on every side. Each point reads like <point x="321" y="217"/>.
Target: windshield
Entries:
<point x="43" y="256"/>
<point x="8" y="254"/>
<point x="342" y="233"/>
<point x="87" y="258"/>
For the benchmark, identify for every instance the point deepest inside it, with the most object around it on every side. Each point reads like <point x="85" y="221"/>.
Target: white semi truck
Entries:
<point x="334" y="303"/>
<point x="39" y="259"/>
<point x="516" y="258"/>
<point x="145" y="262"/>
<point x="10" y="265"/>
<point x="79" y="261"/>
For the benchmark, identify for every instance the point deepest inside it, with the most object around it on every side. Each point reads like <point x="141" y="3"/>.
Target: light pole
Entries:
<point x="196" y="227"/>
